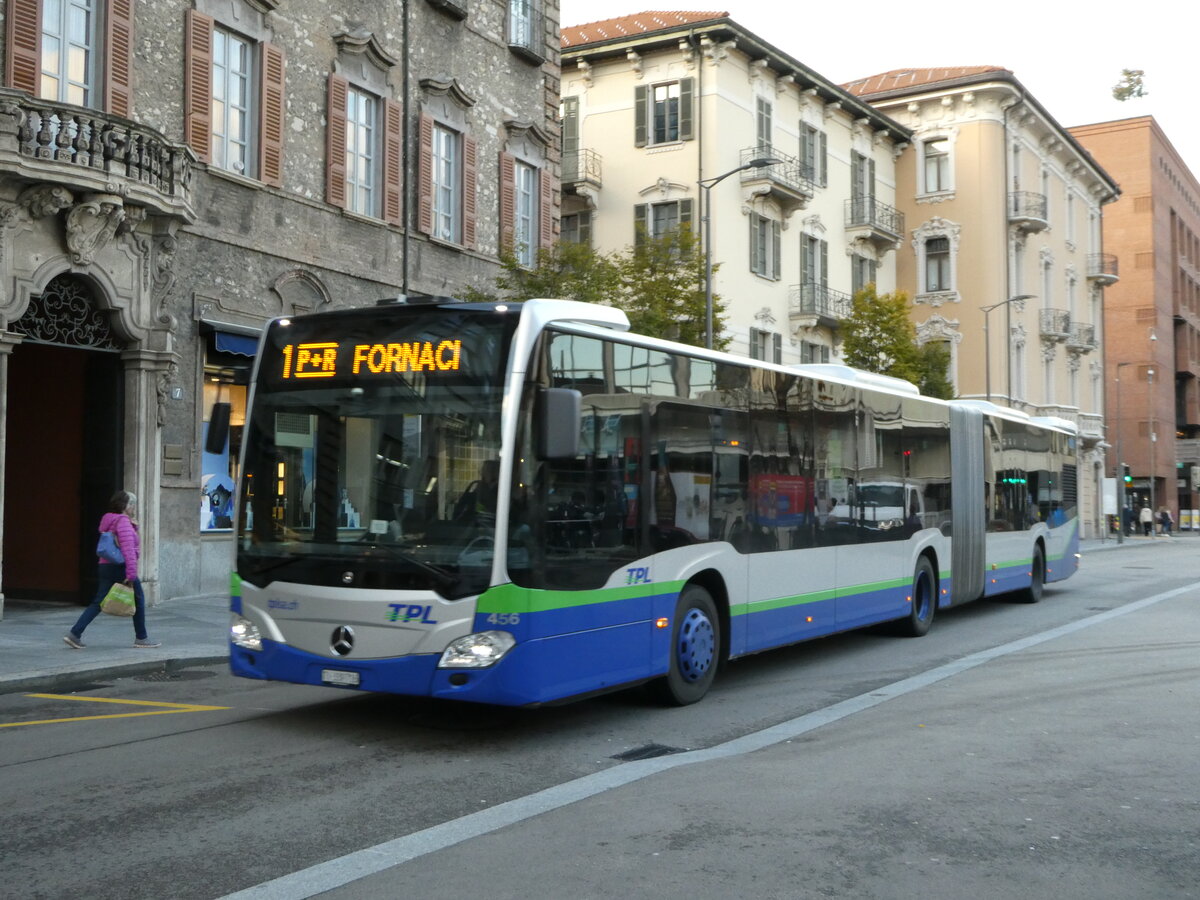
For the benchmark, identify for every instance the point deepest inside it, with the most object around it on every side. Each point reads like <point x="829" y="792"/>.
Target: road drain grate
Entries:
<point x="648" y="751"/>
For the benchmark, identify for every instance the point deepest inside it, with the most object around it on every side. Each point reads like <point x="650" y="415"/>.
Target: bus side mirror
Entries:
<point x="558" y="423"/>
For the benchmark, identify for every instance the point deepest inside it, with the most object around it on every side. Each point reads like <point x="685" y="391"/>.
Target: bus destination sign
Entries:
<point x="329" y="359"/>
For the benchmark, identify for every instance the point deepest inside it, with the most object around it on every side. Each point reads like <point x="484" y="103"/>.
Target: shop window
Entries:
<point x="226" y="381"/>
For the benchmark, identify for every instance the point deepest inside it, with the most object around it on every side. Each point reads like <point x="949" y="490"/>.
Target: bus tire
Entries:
<point x="923" y="606"/>
<point x="1037" y="577"/>
<point x="695" y="649"/>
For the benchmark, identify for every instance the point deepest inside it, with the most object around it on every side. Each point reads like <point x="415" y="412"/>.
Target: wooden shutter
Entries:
<point x="197" y="83"/>
<point x="686" y="102"/>
<point x="822" y="160"/>
<point x="639" y="224"/>
<point x="856" y="162"/>
<point x="393" y="170"/>
<point x="754" y="263"/>
<point x="639" y="115"/>
<point x="546" y="210"/>
<point x="270" y="120"/>
<point x="776" y="251"/>
<point x="824" y="274"/>
<point x="585" y="227"/>
<point x="425" y="174"/>
<point x="807" y="275"/>
<point x="508" y="201"/>
<point x="685" y="213"/>
<point x="118" y="74"/>
<point x="23" y="33"/>
<point x="871" y="182"/>
<point x="777" y="347"/>
<point x="470" y="175"/>
<point x="335" y="142"/>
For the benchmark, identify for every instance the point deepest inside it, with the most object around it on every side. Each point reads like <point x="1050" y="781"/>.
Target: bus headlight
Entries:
<point x="477" y="651"/>
<point x="244" y="633"/>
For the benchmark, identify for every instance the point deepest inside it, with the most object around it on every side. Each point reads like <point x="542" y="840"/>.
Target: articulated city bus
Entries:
<point x="521" y="503"/>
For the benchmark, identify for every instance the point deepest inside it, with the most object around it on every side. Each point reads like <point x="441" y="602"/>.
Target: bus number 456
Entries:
<point x="504" y="619"/>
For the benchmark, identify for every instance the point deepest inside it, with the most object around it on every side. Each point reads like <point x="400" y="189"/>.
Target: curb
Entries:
<point x="72" y="679"/>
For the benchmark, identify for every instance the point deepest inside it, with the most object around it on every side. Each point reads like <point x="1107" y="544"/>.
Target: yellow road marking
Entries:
<point x="164" y="709"/>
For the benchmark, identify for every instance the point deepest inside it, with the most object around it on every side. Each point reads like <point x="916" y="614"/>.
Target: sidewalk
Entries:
<point x="193" y="630"/>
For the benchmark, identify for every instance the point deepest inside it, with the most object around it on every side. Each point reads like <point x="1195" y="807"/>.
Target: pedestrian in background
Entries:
<point x="1166" y="520"/>
<point x="1146" y="518"/>
<point x="120" y="521"/>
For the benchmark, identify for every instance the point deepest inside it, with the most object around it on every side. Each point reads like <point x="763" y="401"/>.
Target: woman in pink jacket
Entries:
<point x="119" y="520"/>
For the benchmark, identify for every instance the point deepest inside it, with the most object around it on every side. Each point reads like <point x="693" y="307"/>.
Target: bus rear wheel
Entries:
<point x="1037" y="577"/>
<point x="695" y="649"/>
<point x="922" y="601"/>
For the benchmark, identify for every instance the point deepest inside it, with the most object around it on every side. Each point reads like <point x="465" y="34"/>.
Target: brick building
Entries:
<point x="1152" y="316"/>
<point x="173" y="174"/>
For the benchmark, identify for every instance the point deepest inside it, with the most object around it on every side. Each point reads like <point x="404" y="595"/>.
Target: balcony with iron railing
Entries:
<point x="1027" y="211"/>
<point x="581" y="170"/>
<point x="814" y="304"/>
<point x="1054" y="325"/>
<point x="787" y="181"/>
<point x="1102" y="268"/>
<point x="86" y="151"/>
<point x="1082" y="338"/>
<point x="873" y="219"/>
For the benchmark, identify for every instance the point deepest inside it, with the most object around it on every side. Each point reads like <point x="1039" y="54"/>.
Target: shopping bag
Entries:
<point x="108" y="549"/>
<point x="119" y="601"/>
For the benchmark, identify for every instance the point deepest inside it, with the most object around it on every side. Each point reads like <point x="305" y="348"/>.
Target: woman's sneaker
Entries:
<point x="147" y="643"/>
<point x="73" y="642"/>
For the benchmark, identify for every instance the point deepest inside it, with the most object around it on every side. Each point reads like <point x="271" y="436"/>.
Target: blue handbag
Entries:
<point x="108" y="549"/>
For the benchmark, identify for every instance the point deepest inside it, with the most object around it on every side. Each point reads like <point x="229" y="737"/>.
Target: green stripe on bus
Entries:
<point x="510" y="598"/>
<point x="740" y="609"/>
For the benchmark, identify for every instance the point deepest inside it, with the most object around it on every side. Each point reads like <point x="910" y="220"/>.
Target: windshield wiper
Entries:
<point x="448" y="579"/>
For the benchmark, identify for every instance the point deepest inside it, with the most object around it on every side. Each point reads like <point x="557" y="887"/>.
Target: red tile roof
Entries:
<point x="632" y="26"/>
<point x="901" y="79"/>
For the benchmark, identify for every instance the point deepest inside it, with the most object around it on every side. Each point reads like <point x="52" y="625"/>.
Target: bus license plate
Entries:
<point x="335" y="676"/>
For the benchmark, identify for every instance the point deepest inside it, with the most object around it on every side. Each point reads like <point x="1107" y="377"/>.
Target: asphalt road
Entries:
<point x="996" y="757"/>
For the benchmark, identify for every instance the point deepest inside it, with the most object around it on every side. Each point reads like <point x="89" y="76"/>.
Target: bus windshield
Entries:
<point x="372" y="451"/>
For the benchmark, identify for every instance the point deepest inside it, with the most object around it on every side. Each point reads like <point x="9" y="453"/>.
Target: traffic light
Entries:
<point x="1125" y="473"/>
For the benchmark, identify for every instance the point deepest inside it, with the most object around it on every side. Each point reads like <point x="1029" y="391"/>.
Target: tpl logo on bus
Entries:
<point x="322" y="359"/>
<point x="638" y="575"/>
<point x="403" y="612"/>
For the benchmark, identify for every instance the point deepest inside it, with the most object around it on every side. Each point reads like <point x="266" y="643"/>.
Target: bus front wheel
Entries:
<point x="695" y="649"/>
<point x="922" y="601"/>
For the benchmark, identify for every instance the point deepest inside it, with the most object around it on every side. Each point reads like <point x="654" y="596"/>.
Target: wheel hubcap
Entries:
<point x="697" y="646"/>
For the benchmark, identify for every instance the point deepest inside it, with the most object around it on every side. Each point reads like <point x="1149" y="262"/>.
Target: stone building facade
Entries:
<point x="175" y="173"/>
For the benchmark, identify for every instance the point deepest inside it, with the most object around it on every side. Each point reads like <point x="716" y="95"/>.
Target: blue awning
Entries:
<point x="236" y="343"/>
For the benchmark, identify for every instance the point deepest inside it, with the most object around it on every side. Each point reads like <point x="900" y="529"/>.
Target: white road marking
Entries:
<point x="339" y="872"/>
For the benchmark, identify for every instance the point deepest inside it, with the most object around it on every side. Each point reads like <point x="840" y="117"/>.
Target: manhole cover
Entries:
<point x="186" y="675"/>
<point x="649" y="751"/>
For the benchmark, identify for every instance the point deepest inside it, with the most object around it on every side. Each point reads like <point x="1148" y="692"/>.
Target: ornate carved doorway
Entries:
<point x="64" y="445"/>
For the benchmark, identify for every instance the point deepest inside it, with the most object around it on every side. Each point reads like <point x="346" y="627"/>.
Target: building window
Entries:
<point x="576" y="228"/>
<point x="813" y="353"/>
<point x="68" y="51"/>
<point x="814" y="261"/>
<point x="764" y="246"/>
<point x="937" y="264"/>
<point x="233" y="96"/>
<point x="226" y="379"/>
<point x="663" y="112"/>
<point x="447" y="186"/>
<point x="937" y="165"/>
<point x="657" y="220"/>
<point x="862" y="181"/>
<point x="526" y="237"/>
<point x="862" y="273"/>
<point x="361" y="112"/>
<point x="231" y="57"/>
<point x="813" y="155"/>
<point x="766" y="345"/>
<point x="525" y="28"/>
<point x="763" y="126"/>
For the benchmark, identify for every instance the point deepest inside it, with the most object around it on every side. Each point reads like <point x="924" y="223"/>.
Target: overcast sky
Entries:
<point x="1068" y="54"/>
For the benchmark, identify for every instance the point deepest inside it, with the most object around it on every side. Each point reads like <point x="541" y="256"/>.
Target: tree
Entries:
<point x="878" y="336"/>
<point x="659" y="283"/>
<point x="1130" y="85"/>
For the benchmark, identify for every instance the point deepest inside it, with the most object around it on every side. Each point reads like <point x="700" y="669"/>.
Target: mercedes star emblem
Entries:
<point x="342" y="641"/>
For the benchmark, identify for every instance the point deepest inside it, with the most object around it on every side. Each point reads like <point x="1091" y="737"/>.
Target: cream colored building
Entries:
<point x="656" y="104"/>
<point x="1001" y="202"/>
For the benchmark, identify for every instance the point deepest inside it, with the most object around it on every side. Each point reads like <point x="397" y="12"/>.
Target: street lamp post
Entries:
<point x="1153" y="439"/>
<point x="987" y="342"/>
<point x="707" y="185"/>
